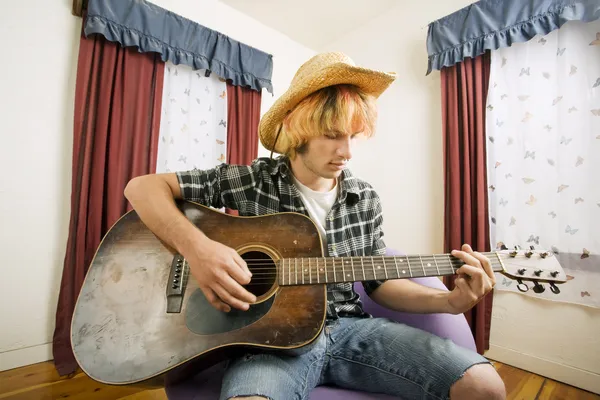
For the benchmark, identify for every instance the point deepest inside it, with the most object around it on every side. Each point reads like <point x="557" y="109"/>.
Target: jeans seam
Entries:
<point x="386" y="372"/>
<point x="305" y="383"/>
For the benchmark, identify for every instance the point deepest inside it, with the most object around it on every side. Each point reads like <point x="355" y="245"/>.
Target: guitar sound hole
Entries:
<point x="264" y="272"/>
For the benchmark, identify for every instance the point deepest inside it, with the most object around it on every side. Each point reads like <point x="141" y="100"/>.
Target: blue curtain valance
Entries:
<point x="153" y="29"/>
<point x="492" y="24"/>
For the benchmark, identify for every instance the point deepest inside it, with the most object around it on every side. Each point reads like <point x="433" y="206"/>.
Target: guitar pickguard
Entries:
<point x="203" y="319"/>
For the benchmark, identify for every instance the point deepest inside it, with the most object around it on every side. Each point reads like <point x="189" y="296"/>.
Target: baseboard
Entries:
<point x="25" y="356"/>
<point x="573" y="376"/>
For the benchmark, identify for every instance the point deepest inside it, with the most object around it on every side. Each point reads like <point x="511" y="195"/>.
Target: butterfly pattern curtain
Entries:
<point x="543" y="130"/>
<point x="193" y="130"/>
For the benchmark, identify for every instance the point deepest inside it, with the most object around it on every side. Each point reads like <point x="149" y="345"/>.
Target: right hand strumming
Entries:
<point x="220" y="272"/>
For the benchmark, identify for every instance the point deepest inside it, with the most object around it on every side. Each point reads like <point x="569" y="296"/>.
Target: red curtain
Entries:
<point x="464" y="94"/>
<point x="243" y="116"/>
<point x="117" y="119"/>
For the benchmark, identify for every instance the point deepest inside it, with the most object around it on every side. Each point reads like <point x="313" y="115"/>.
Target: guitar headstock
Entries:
<point x="534" y="265"/>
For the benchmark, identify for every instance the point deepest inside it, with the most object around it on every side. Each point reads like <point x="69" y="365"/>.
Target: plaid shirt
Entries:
<point x="353" y="227"/>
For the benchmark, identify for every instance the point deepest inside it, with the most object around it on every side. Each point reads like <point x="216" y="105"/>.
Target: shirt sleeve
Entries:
<point x="378" y="248"/>
<point x="223" y="186"/>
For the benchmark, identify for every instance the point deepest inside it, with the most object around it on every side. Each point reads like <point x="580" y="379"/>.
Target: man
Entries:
<point x="314" y="125"/>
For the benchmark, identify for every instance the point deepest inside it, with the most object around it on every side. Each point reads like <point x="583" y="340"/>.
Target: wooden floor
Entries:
<point x="41" y="382"/>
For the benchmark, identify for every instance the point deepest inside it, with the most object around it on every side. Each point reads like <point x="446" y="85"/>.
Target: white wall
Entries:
<point x="36" y="101"/>
<point x="404" y="161"/>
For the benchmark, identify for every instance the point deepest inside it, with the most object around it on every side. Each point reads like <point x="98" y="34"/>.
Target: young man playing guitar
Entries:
<point x="314" y="125"/>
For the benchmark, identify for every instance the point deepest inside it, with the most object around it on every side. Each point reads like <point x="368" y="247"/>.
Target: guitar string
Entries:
<point x="320" y="270"/>
<point x="411" y="257"/>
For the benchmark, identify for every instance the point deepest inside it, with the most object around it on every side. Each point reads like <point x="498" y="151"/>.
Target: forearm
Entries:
<point x="408" y="296"/>
<point x="154" y="201"/>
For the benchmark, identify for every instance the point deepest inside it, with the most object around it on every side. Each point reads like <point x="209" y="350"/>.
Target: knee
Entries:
<point x="479" y="382"/>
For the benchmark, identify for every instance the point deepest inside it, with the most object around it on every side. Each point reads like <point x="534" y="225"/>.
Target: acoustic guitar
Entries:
<point x="141" y="319"/>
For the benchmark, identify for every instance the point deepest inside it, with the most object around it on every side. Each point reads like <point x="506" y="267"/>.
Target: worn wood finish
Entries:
<point x="120" y="331"/>
<point x="524" y="385"/>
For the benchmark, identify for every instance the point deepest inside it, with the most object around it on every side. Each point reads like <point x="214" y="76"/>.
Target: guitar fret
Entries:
<point x="422" y="266"/>
<point x="326" y="270"/>
<point x="436" y="265"/>
<point x="296" y="269"/>
<point x="363" y="268"/>
<point x="396" y="264"/>
<point x="384" y="267"/>
<point x="343" y="270"/>
<point x="352" y="263"/>
<point x="334" y="276"/>
<point x="309" y="272"/>
<point x="302" y="266"/>
<point x="373" y="266"/>
<point x="451" y="264"/>
<point x="409" y="269"/>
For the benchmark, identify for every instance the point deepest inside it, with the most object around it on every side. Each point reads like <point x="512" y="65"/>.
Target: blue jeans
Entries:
<point x="368" y="354"/>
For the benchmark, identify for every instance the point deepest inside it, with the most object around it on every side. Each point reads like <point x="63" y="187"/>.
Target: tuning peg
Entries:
<point x="537" y="287"/>
<point x="554" y="274"/>
<point x="503" y="247"/>
<point x="522" y="286"/>
<point x="521" y="271"/>
<point x="529" y="253"/>
<point x="514" y="253"/>
<point x="531" y="247"/>
<point x="538" y="272"/>
<point x="544" y="254"/>
<point x="554" y="288"/>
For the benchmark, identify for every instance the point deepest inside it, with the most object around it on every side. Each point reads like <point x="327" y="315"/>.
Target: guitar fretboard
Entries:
<point x="314" y="270"/>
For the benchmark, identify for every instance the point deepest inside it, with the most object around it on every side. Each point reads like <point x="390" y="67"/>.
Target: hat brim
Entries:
<point x="370" y="81"/>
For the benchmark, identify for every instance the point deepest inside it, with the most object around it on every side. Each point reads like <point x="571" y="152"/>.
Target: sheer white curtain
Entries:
<point x="193" y="131"/>
<point x="543" y="127"/>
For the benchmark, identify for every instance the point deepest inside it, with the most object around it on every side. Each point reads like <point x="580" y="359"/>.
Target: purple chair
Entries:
<point x="207" y="384"/>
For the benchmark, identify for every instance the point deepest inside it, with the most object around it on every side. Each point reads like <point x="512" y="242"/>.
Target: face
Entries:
<point x="326" y="156"/>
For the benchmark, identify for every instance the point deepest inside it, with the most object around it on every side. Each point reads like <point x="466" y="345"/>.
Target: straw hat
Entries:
<point x="326" y="69"/>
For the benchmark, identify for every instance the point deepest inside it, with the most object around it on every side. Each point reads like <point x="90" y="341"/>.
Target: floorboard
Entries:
<point x="41" y="382"/>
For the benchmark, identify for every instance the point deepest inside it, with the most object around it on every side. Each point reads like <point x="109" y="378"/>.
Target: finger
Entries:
<point x="487" y="266"/>
<point x="241" y="263"/>
<point x="468" y="258"/>
<point x="477" y="281"/>
<point x="236" y="290"/>
<point x="214" y="300"/>
<point x="227" y="298"/>
<point x="238" y="272"/>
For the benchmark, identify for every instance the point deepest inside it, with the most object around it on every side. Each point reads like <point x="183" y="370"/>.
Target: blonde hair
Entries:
<point x="332" y="111"/>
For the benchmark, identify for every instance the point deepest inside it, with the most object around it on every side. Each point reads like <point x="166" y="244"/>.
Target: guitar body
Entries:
<point x="125" y="330"/>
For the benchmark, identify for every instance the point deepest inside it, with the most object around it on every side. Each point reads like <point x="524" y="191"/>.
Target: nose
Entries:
<point x="344" y="149"/>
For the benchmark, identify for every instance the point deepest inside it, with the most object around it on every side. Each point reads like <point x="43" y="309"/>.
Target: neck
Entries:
<point x="317" y="270"/>
<point x="308" y="178"/>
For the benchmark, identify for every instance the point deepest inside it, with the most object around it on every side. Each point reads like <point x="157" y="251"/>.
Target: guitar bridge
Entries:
<point x="176" y="284"/>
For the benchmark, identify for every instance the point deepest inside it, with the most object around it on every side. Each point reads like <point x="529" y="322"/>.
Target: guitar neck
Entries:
<point x="314" y="270"/>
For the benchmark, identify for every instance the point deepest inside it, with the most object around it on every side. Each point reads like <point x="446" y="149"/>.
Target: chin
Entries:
<point x="331" y="174"/>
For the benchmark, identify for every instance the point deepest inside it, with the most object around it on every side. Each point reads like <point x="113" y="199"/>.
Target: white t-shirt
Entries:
<point x="318" y="205"/>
